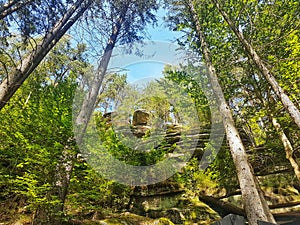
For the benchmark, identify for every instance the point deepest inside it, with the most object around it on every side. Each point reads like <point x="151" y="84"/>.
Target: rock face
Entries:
<point x="132" y="219"/>
<point x="140" y="120"/>
<point x="168" y="200"/>
<point x="140" y="117"/>
<point x="140" y="130"/>
<point x="138" y="126"/>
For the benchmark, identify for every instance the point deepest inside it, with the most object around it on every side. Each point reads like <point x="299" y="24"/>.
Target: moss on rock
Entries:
<point x="132" y="219"/>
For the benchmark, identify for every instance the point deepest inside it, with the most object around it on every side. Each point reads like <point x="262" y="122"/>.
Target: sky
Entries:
<point x="161" y="32"/>
<point x="160" y="50"/>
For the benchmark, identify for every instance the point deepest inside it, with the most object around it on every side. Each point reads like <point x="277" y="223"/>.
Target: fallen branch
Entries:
<point x="284" y="205"/>
<point x="226" y="208"/>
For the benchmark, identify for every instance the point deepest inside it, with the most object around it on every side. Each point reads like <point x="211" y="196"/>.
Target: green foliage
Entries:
<point x="89" y="192"/>
<point x="111" y="92"/>
<point x="223" y="171"/>
<point x="36" y="128"/>
<point x="29" y="144"/>
<point x="121" y="147"/>
<point x="193" y="81"/>
<point x="196" y="181"/>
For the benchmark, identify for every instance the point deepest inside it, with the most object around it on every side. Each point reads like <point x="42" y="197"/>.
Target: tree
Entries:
<point x="193" y="82"/>
<point x="24" y="68"/>
<point x="254" y="202"/>
<point x="29" y="142"/>
<point x="254" y="97"/>
<point x="261" y="27"/>
<point x="289" y="150"/>
<point x="111" y="92"/>
<point x="288" y="104"/>
<point x="128" y="19"/>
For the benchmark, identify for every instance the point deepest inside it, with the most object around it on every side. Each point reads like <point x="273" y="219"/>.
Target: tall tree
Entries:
<point x="261" y="27"/>
<point x="288" y="104"/>
<point x="289" y="150"/>
<point x="254" y="202"/>
<point x="24" y="68"/>
<point x="257" y="95"/>
<point x="128" y="20"/>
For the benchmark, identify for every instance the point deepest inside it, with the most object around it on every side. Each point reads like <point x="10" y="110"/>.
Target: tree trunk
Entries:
<point x="255" y="205"/>
<point x="287" y="146"/>
<point x="65" y="167"/>
<point x="46" y="214"/>
<point x="11" y="84"/>
<point x="287" y="103"/>
<point x="285" y="141"/>
<point x="90" y="99"/>
<point x="223" y="207"/>
<point x="11" y="7"/>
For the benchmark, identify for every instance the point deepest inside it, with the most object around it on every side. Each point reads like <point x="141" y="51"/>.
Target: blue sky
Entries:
<point x="159" y="51"/>
<point x="144" y="69"/>
<point x="161" y="32"/>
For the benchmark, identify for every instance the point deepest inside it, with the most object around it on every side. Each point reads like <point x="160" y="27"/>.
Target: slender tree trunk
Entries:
<point x="12" y="6"/>
<point x="254" y="203"/>
<point x="287" y="146"/>
<point x="45" y="215"/>
<point x="65" y="167"/>
<point x="287" y="103"/>
<point x="285" y="141"/>
<point x="14" y="80"/>
<point x="90" y="99"/>
<point x="53" y="214"/>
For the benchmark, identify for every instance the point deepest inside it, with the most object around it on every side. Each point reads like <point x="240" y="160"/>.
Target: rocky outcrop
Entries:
<point x="168" y="199"/>
<point x="132" y="219"/>
<point x="140" y="117"/>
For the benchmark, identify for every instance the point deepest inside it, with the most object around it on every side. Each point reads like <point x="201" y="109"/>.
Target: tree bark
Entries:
<point x="284" y="139"/>
<point x="90" y="99"/>
<point x="287" y="103"/>
<point x="65" y="167"/>
<point x="228" y="207"/>
<point x="255" y="205"/>
<point x="287" y="147"/>
<point x="11" y="7"/>
<point x="225" y="207"/>
<point x="11" y="84"/>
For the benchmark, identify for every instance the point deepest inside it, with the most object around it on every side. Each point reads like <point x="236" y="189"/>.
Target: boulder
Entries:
<point x="116" y="120"/>
<point x="108" y="117"/>
<point x="140" y="130"/>
<point x="140" y="117"/>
